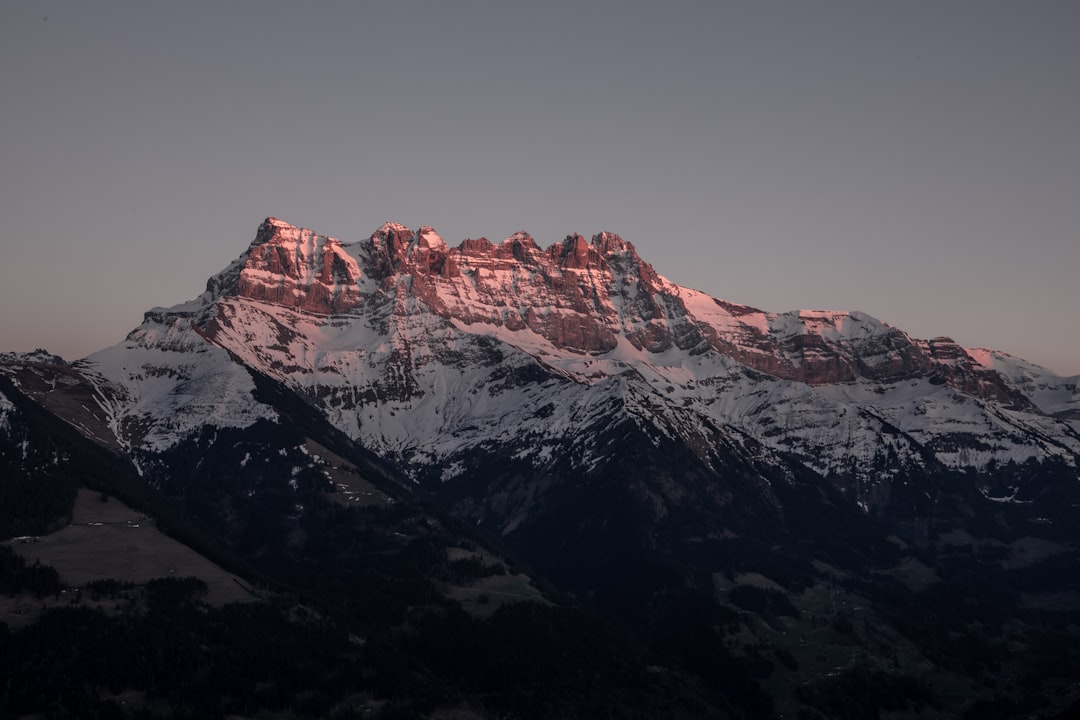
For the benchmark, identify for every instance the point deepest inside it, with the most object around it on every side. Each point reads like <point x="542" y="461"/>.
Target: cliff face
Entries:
<point x="566" y="294"/>
<point x="297" y="268"/>
<point x="583" y="297"/>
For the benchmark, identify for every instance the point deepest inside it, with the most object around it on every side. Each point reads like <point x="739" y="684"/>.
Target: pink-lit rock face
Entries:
<point x="566" y="293"/>
<point x="563" y="293"/>
<point x="809" y="357"/>
<point x="822" y="348"/>
<point x="953" y="365"/>
<point x="582" y="296"/>
<point x="300" y="269"/>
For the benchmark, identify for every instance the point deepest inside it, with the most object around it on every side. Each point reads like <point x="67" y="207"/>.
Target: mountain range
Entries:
<point x="702" y="472"/>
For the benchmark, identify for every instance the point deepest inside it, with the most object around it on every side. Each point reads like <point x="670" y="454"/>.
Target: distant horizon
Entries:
<point x="913" y="161"/>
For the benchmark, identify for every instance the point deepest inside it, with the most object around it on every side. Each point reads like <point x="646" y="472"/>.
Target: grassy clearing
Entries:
<point x="483" y="596"/>
<point x="914" y="575"/>
<point x="757" y="580"/>
<point x="351" y="488"/>
<point x="110" y="540"/>
<point x="1030" y="550"/>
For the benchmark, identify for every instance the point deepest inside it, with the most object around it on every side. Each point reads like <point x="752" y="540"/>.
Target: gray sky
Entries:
<point x="916" y="160"/>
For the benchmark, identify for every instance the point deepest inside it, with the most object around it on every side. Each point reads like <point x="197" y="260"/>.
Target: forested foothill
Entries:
<point x="359" y="610"/>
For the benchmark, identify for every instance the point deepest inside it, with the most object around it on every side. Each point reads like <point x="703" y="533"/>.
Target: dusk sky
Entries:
<point x="916" y="160"/>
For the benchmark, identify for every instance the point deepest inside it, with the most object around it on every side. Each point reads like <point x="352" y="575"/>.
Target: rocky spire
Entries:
<point x="295" y="267"/>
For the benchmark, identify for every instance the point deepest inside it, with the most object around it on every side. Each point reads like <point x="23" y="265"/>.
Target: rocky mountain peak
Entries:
<point x="522" y="248"/>
<point x="294" y="267"/>
<point x="582" y="296"/>
<point x="428" y="239"/>
<point x="389" y="247"/>
<point x="272" y="226"/>
<point x="576" y="254"/>
<point x="521" y="236"/>
<point x="608" y="243"/>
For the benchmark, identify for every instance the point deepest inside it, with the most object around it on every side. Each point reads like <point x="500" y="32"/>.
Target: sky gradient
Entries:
<point x="917" y="160"/>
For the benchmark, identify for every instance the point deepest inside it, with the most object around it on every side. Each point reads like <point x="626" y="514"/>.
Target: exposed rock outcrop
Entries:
<point x="298" y="268"/>
<point x="582" y="296"/>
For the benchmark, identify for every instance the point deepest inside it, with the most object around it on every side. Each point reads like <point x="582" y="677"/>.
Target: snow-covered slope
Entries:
<point x="165" y="382"/>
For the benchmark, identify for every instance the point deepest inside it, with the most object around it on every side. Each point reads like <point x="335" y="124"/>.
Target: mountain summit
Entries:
<point x="429" y="354"/>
